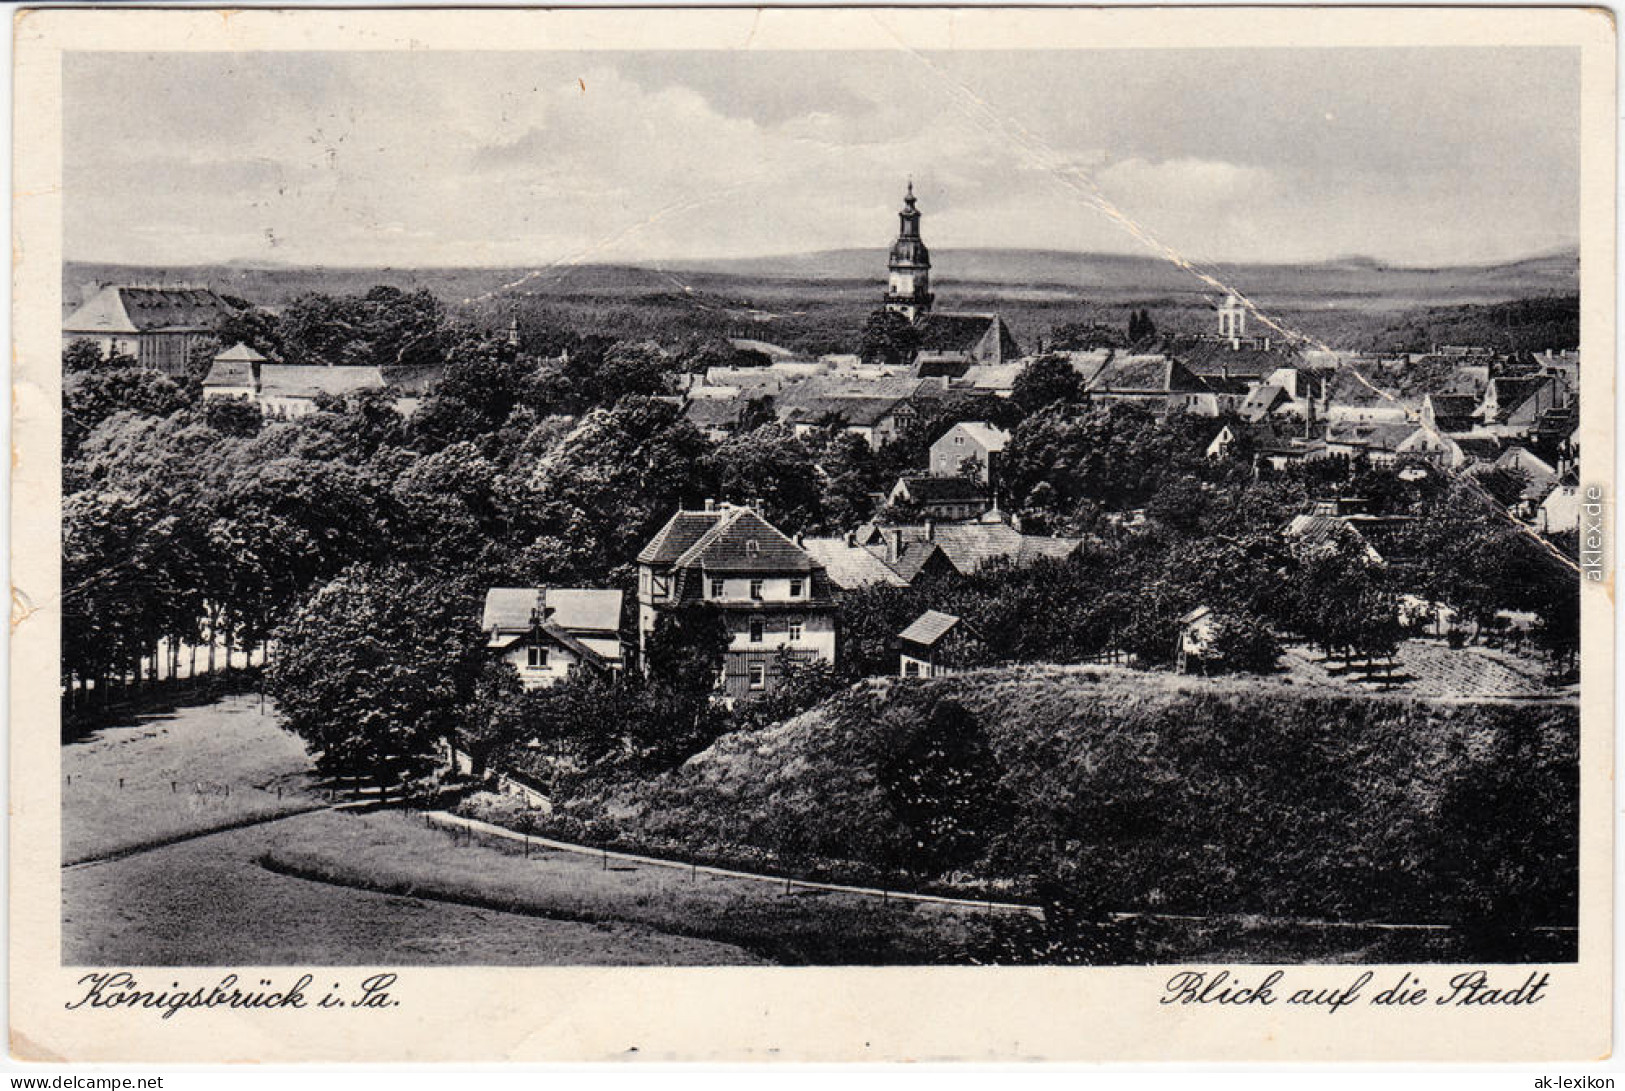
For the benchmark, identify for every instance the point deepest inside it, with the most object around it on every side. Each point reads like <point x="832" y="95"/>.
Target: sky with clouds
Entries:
<point x="1416" y="156"/>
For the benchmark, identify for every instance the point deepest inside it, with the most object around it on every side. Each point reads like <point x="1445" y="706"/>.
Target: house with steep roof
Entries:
<point x="234" y="374"/>
<point x="159" y="326"/>
<point x="1378" y="441"/>
<point x="969" y="440"/>
<point x="950" y="499"/>
<point x="937" y="644"/>
<point x="876" y="420"/>
<point x="774" y="597"/>
<point x="546" y="633"/>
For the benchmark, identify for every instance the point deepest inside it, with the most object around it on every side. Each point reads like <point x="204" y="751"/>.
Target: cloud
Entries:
<point x="445" y="158"/>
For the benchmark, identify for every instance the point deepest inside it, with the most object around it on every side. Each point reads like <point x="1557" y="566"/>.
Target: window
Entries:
<point x="538" y="658"/>
<point x="795" y="629"/>
<point x="752" y="547"/>
<point x="756" y="631"/>
<point x="958" y="440"/>
<point x="662" y="587"/>
<point x="795" y="588"/>
<point x="756" y="589"/>
<point x="911" y="668"/>
<point x="717" y="587"/>
<point x="758" y="676"/>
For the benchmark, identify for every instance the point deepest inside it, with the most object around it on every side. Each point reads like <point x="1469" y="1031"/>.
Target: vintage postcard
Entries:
<point x="841" y="535"/>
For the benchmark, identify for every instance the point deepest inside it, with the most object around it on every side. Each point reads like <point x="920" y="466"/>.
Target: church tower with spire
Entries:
<point x="908" y="287"/>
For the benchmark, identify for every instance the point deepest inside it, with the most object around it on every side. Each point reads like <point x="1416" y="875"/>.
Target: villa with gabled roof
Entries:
<point x="774" y="597"/>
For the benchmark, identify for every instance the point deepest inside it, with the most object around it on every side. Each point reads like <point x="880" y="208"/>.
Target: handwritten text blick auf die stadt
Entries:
<point x="1466" y="989"/>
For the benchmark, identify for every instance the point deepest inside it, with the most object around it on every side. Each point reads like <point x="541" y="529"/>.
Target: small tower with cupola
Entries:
<point x="908" y="285"/>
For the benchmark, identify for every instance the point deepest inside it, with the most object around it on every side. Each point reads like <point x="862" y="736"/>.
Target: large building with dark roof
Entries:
<point x="158" y="326"/>
<point x="773" y="595"/>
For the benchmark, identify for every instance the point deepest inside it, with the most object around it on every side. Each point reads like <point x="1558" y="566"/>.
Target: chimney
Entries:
<point x="851" y="540"/>
<point x="798" y="539"/>
<point x="894" y="544"/>
<point x="710" y="504"/>
<point x="930" y="530"/>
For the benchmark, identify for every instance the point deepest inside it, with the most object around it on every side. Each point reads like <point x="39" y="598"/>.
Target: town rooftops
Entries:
<point x="130" y="309"/>
<point x="1348" y="386"/>
<point x="858" y="411"/>
<point x="929" y="628"/>
<point x="1150" y="373"/>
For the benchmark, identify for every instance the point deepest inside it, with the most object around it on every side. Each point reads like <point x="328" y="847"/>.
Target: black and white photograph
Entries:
<point x="924" y="505"/>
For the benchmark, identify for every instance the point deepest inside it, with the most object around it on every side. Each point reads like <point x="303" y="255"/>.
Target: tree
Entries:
<point x="686" y="649"/>
<point x="941" y="779"/>
<point x="1244" y="642"/>
<point x="1046" y="380"/>
<point x="233" y="416"/>
<point x="770" y="464"/>
<point x="889" y="338"/>
<point x="375" y="669"/>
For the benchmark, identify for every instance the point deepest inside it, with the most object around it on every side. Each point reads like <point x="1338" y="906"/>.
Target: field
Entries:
<point x="180" y="895"/>
<point x="208" y="902"/>
<point x="391" y="853"/>
<point x="173" y="774"/>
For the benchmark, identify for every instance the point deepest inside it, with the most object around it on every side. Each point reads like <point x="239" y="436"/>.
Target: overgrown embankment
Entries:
<point x="1112" y="791"/>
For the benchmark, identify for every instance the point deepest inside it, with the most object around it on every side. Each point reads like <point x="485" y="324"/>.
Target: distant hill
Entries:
<point x="817" y="302"/>
<point x="995" y="271"/>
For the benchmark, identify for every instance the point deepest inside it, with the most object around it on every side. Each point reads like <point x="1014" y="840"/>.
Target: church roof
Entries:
<point x="946" y="331"/>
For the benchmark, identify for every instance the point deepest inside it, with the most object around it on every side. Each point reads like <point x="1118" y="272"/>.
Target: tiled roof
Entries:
<point x="850" y="566"/>
<point x="989" y="436"/>
<point x="229" y="373"/>
<point x="120" y="309"/>
<point x="1373" y="435"/>
<point x="925" y="490"/>
<point x="712" y="412"/>
<point x="681" y="531"/>
<point x="1348" y="386"/>
<point x="575" y="609"/>
<point x="968" y="546"/>
<point x="240" y="352"/>
<point x="1483" y="448"/>
<point x="1216" y="357"/>
<point x="743" y="541"/>
<point x="928" y="628"/>
<point x="941" y="331"/>
<point x="1148" y="373"/>
<point x="857" y="411"/>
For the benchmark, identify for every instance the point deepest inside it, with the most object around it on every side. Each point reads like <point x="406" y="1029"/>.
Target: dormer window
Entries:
<point x="717" y="588"/>
<point x="796" y="587"/>
<point x="537" y="658"/>
<point x="752" y="547"/>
